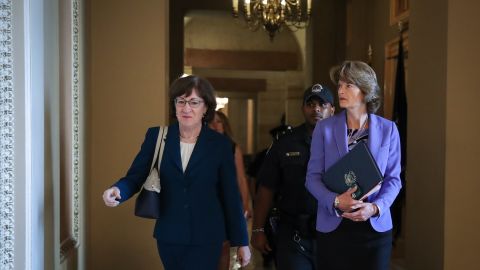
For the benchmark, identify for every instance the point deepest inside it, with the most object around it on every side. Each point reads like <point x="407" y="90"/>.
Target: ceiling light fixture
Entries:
<point x="273" y="15"/>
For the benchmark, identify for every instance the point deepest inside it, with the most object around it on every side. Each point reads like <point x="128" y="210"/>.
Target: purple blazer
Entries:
<point x="329" y="144"/>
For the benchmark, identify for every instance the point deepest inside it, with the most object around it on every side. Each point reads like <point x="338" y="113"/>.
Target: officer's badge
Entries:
<point x="292" y="154"/>
<point x="317" y="88"/>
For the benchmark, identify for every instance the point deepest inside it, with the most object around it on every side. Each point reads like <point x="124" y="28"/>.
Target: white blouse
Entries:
<point x="186" y="150"/>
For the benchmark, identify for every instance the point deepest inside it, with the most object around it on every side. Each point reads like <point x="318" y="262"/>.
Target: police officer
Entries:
<point x="282" y="176"/>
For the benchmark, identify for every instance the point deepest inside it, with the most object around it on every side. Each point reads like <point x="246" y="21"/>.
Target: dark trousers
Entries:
<point x="187" y="257"/>
<point x="354" y="245"/>
<point x="294" y="251"/>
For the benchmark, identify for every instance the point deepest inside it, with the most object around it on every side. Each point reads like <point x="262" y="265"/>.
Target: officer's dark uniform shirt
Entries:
<point x="284" y="171"/>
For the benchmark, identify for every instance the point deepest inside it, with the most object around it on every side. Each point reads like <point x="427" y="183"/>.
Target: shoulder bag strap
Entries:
<point x="162" y="144"/>
<point x="157" y="146"/>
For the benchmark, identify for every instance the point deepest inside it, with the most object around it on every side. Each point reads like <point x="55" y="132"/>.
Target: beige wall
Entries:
<point x="128" y="78"/>
<point x="383" y="33"/>
<point x="443" y="150"/>
<point x="462" y="181"/>
<point x="426" y="135"/>
<point x="328" y="41"/>
<point x="357" y="36"/>
<point x="219" y="30"/>
<point x="375" y="15"/>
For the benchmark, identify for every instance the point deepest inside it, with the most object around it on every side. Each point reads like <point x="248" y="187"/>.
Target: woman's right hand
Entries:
<point x="244" y="255"/>
<point x="347" y="204"/>
<point x="110" y="196"/>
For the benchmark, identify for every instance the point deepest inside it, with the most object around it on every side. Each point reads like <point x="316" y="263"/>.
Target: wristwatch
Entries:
<point x="258" y="230"/>
<point x="336" y="203"/>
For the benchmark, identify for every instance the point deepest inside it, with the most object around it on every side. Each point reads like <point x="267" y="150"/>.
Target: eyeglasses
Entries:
<point x="194" y="103"/>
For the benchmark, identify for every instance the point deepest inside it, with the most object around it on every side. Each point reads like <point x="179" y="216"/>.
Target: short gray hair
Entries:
<point x="361" y="75"/>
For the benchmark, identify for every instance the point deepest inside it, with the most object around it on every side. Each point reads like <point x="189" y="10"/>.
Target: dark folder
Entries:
<point x="357" y="168"/>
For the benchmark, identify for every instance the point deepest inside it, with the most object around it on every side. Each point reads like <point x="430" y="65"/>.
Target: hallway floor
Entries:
<point x="257" y="262"/>
<point x="398" y="261"/>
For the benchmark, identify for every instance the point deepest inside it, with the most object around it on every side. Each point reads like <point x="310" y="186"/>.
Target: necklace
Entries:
<point x="353" y="138"/>
<point x="189" y="138"/>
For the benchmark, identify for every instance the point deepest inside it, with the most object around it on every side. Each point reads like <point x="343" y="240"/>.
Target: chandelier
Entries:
<point x="274" y="14"/>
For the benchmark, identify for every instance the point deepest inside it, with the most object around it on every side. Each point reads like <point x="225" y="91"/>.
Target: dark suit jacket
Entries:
<point x="200" y="206"/>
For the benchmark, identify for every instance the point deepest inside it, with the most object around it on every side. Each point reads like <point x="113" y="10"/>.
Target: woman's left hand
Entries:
<point x="244" y="255"/>
<point x="363" y="211"/>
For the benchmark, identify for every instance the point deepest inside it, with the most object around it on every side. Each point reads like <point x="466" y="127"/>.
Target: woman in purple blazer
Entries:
<point x="354" y="234"/>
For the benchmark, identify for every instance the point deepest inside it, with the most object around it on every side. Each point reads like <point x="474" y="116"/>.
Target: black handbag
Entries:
<point x="147" y="204"/>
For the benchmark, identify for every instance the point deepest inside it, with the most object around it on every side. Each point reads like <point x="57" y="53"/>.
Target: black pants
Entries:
<point x="354" y="245"/>
<point x="187" y="257"/>
<point x="294" y="251"/>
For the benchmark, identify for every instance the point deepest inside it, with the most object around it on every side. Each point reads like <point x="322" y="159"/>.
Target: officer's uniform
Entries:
<point x="283" y="172"/>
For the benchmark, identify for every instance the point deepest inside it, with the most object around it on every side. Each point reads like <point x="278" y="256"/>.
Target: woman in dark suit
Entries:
<point x="200" y="200"/>
<point x="220" y="124"/>
<point x="354" y="234"/>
